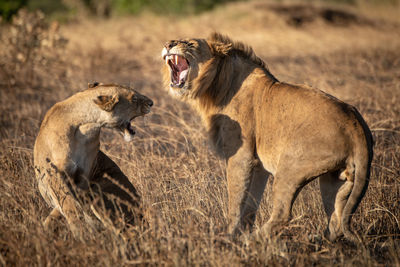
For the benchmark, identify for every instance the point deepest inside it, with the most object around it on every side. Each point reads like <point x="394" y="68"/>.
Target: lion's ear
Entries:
<point x="220" y="44"/>
<point x="106" y="102"/>
<point x="220" y="49"/>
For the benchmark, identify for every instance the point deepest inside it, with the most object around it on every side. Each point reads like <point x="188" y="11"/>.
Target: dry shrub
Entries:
<point x="30" y="48"/>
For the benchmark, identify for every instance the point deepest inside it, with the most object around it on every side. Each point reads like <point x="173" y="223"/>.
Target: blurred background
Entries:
<point x="51" y="49"/>
<point x="63" y="9"/>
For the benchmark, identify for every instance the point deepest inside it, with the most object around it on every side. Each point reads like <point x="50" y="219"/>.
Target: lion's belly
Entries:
<point x="313" y="150"/>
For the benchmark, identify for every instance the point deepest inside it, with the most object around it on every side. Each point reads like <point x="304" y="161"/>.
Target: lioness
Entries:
<point x="260" y="126"/>
<point x="74" y="176"/>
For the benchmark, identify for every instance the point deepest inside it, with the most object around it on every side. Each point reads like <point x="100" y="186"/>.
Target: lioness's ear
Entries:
<point x="93" y="85"/>
<point x="106" y="102"/>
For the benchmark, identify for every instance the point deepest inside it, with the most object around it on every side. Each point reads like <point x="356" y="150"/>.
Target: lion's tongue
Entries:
<point x="182" y="67"/>
<point x="182" y="75"/>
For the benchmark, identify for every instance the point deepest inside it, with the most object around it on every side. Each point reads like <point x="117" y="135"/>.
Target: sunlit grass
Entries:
<point x="181" y="180"/>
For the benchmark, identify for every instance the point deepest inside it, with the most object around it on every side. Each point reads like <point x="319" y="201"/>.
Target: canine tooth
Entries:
<point x="166" y="60"/>
<point x="176" y="60"/>
<point x="164" y="52"/>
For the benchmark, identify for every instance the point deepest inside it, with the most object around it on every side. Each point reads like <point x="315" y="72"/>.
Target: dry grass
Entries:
<point x="182" y="182"/>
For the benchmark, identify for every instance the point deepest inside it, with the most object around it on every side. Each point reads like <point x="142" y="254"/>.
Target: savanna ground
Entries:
<point x="354" y="57"/>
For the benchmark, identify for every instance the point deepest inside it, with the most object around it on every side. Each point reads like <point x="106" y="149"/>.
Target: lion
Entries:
<point x="74" y="176"/>
<point x="261" y="126"/>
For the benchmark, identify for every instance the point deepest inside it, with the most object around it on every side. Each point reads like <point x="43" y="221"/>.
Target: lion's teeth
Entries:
<point x="166" y="60"/>
<point x="176" y="60"/>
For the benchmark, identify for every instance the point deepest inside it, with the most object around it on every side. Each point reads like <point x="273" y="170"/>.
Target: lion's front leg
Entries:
<point x="246" y="182"/>
<point x="254" y="193"/>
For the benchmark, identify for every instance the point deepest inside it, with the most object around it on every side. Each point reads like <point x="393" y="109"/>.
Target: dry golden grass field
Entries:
<point x="352" y="53"/>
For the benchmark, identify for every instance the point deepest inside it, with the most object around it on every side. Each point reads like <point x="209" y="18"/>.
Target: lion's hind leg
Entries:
<point x="74" y="215"/>
<point x="284" y="192"/>
<point x="66" y="205"/>
<point x="58" y="191"/>
<point x="67" y="200"/>
<point x="335" y="190"/>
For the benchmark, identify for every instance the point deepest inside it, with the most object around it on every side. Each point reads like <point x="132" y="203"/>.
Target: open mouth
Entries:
<point x="128" y="131"/>
<point x="179" y="68"/>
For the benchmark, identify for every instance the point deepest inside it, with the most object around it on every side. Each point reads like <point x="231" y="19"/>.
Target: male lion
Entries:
<point x="261" y="125"/>
<point x="74" y="176"/>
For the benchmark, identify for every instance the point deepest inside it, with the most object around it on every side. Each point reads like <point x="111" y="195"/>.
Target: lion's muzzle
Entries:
<point x="178" y="66"/>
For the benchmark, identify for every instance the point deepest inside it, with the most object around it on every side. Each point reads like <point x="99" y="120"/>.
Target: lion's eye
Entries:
<point x="134" y="99"/>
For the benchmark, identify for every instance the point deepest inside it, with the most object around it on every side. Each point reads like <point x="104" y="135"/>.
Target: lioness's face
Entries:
<point x="183" y="60"/>
<point x="123" y="105"/>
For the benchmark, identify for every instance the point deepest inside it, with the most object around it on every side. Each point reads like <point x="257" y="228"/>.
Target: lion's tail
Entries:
<point x="362" y="160"/>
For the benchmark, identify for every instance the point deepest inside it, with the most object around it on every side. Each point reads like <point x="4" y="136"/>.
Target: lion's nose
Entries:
<point x="150" y="103"/>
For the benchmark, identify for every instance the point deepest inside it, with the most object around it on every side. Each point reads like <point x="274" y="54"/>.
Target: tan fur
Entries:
<point x="74" y="177"/>
<point x="260" y="126"/>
